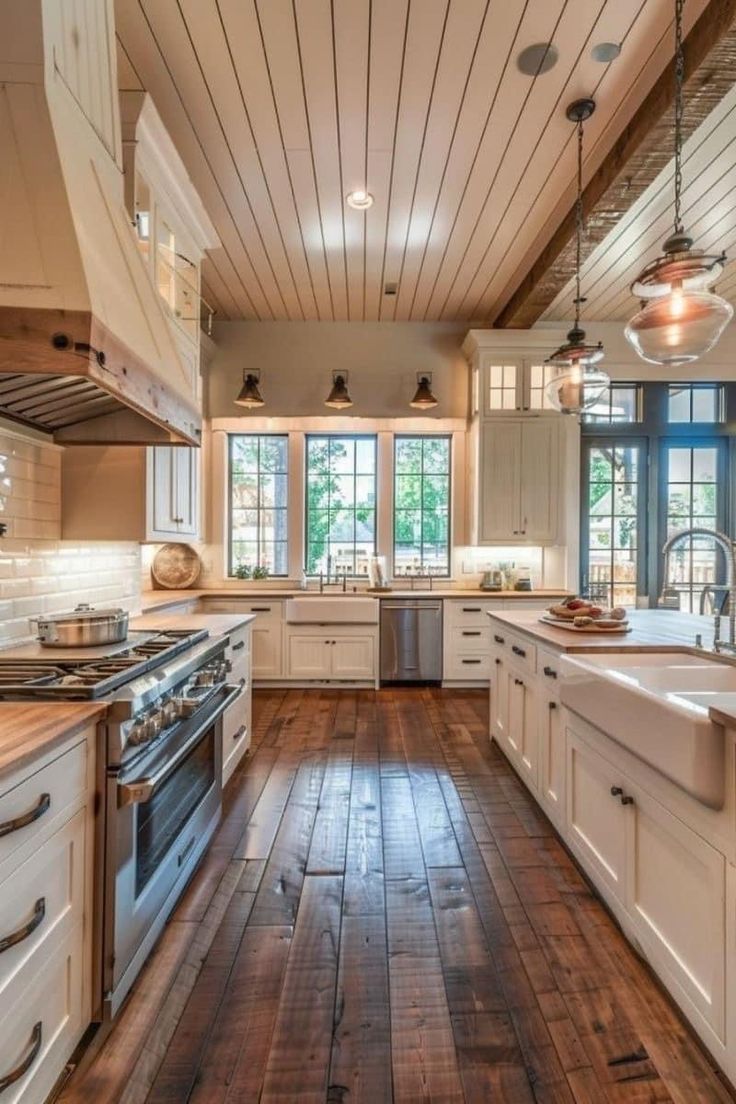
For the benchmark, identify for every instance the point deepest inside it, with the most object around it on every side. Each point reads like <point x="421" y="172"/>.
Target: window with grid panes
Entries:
<point x="620" y="403"/>
<point x="341" y="504"/>
<point x="258" y="502"/>
<point x="692" y="501"/>
<point x="613" y="486"/>
<point x="422" y="504"/>
<point x="695" y="402"/>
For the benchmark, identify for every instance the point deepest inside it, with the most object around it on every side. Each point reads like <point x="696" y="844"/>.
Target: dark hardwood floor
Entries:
<point x="385" y="915"/>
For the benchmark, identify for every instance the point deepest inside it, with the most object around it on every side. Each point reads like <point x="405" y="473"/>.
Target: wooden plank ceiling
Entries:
<point x="709" y="215"/>
<point x="279" y="108"/>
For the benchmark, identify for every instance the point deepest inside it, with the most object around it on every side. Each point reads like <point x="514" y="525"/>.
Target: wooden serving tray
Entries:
<point x="561" y="623"/>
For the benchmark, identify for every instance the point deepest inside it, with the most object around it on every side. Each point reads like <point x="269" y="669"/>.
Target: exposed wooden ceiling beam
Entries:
<point x="640" y="153"/>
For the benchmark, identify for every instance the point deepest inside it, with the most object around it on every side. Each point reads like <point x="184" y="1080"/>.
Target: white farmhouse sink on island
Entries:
<point x="657" y="706"/>
<point x="332" y="611"/>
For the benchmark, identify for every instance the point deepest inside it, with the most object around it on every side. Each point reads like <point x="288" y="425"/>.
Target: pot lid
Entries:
<point x="88" y="614"/>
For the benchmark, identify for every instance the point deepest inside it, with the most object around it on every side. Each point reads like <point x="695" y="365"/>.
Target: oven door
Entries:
<point x="161" y="814"/>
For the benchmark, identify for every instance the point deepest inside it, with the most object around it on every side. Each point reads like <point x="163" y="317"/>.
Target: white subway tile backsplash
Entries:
<point x="39" y="573"/>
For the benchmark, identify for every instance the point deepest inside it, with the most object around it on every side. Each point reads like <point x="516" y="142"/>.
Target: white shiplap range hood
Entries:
<point x="86" y="350"/>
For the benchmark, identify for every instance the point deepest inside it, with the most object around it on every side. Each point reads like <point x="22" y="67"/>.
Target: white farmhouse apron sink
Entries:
<point x="657" y="706"/>
<point x="332" y="611"/>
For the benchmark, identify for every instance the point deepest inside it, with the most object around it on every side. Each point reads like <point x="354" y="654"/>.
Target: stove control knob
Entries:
<point x="170" y="711"/>
<point x="155" y="721"/>
<point x="205" y="678"/>
<point x="137" y="733"/>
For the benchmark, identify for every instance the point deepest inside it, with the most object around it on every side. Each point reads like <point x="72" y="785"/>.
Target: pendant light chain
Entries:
<point x="679" y="81"/>
<point x="579" y="225"/>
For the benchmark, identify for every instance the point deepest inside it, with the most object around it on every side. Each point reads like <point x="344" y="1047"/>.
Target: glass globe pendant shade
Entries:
<point x="577" y="387"/>
<point x="679" y="327"/>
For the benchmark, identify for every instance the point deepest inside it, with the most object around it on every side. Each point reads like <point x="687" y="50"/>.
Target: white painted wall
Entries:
<point x="296" y="361"/>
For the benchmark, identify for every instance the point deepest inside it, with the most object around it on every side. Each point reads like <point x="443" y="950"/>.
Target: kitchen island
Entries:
<point x="615" y="737"/>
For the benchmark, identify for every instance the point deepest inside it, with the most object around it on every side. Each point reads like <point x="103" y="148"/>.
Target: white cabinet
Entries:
<point x="46" y="895"/>
<point x="513" y="384"/>
<point x="670" y="882"/>
<point x="236" y="720"/>
<point x="518" y="481"/>
<point x="130" y="493"/>
<point x="551" y="776"/>
<point x="331" y="652"/>
<point x="523" y="725"/>
<point x="173" y="493"/>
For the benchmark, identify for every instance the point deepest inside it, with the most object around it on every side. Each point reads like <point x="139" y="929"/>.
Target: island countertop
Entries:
<point x="30" y="729"/>
<point x="651" y="631"/>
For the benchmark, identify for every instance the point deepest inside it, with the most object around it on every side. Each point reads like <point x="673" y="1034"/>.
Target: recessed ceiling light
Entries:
<point x="360" y="200"/>
<point x="536" y="59"/>
<point x="605" y="52"/>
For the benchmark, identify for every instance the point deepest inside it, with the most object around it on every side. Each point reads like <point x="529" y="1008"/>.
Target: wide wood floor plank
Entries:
<point x="299" y="1060"/>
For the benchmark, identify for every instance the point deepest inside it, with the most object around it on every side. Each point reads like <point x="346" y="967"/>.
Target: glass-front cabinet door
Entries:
<point x="514" y="385"/>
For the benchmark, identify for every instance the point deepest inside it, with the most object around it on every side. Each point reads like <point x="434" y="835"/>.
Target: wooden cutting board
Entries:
<point x="176" y="567"/>
<point x="561" y="623"/>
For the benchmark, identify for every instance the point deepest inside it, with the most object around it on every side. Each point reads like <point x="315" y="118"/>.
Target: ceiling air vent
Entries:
<point x="390" y="288"/>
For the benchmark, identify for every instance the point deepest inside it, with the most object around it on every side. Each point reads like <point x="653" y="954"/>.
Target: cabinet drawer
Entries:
<point x="466" y="665"/>
<point x="548" y="669"/>
<point x="470" y="613"/>
<point x="521" y="652"/>
<point x="41" y="902"/>
<point x="265" y="608"/>
<point x="469" y="638"/>
<point x="33" y="809"/>
<point x="235" y="733"/>
<point x="40" y="1029"/>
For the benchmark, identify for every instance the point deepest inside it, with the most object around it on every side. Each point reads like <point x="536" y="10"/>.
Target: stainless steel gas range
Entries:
<point x="159" y="775"/>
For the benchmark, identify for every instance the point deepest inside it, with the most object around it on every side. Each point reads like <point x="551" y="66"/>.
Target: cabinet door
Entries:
<point x="353" y="657"/>
<point x="186" y="485"/>
<point x="500" y="481"/>
<point x="309" y="656"/>
<point x="266" y="644"/>
<point x="551" y="758"/>
<point x="162" y="488"/>
<point x="502" y="384"/>
<point x="523" y="732"/>
<point x="539" y="490"/>
<point x="596" y="819"/>
<point x="676" y="895"/>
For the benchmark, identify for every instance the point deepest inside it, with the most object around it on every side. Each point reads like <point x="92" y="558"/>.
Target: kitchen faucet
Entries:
<point x="729" y="549"/>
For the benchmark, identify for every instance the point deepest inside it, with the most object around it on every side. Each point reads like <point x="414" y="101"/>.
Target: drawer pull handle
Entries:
<point x="518" y="682"/>
<point x="44" y="804"/>
<point x="238" y="647"/>
<point x="471" y="661"/>
<point x="627" y="799"/>
<point x="18" y="936"/>
<point x="551" y="705"/>
<point x="517" y="650"/>
<point x="499" y="639"/>
<point x="25" y="1065"/>
<point x="239" y="733"/>
<point x="184" y="855"/>
<point x="260" y="609"/>
<point x="472" y="609"/>
<point x="472" y="632"/>
<point x="616" y="791"/>
<point x="550" y="672"/>
<point x="497" y="662"/>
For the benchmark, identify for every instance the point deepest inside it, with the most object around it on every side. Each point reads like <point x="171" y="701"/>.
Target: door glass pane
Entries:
<point x="691" y="499"/>
<point x="613" y="537"/>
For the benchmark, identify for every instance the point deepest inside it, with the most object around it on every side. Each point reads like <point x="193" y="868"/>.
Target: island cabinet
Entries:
<point x="236" y="720"/>
<point x="662" y="861"/>
<point x="130" y="493"/>
<point x="46" y="884"/>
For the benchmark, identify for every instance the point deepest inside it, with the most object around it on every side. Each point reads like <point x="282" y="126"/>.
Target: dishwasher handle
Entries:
<point x="421" y="607"/>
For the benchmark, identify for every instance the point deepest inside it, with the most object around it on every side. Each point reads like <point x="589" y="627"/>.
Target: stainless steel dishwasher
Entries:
<point x="411" y="640"/>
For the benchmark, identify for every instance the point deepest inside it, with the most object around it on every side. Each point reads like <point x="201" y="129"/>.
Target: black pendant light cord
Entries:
<point x="679" y="81"/>
<point x="579" y="225"/>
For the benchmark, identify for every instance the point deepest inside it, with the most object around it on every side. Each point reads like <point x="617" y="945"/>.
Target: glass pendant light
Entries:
<point x="249" y="395"/>
<point x="338" y="396"/>
<point x="682" y="319"/>
<point x="577" y="383"/>
<point x="423" y="397"/>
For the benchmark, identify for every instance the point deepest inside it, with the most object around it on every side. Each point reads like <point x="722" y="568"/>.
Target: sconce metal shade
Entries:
<point x="338" y="396"/>
<point x="249" y="394"/>
<point x="423" y="397"/>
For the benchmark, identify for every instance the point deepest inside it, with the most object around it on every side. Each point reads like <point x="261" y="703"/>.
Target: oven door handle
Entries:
<point x="143" y="789"/>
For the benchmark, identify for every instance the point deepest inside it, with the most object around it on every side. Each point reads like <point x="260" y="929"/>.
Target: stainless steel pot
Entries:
<point x="84" y="628"/>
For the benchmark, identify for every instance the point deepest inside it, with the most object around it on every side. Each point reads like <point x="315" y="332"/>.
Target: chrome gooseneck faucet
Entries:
<point x="729" y="550"/>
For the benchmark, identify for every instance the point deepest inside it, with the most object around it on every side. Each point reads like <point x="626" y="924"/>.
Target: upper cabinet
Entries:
<point x="523" y="482"/>
<point x="172" y="227"/>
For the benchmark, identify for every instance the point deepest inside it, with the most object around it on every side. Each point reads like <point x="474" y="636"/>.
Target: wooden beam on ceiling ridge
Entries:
<point x="641" y="151"/>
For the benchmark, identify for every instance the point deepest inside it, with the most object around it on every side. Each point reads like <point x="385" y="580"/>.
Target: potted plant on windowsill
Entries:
<point x="251" y="574"/>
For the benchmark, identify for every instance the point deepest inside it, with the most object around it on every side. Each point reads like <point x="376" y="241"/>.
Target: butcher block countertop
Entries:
<point x="29" y="730"/>
<point x="651" y="631"/>
<point x="216" y="624"/>
<point x="159" y="599"/>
